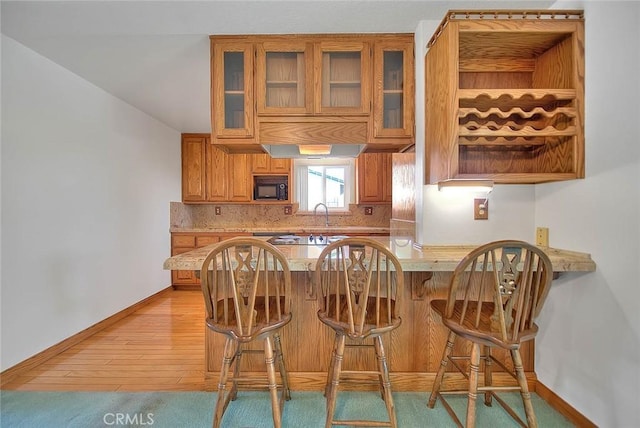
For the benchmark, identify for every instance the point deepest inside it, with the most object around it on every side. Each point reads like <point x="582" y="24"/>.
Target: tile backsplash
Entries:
<point x="258" y="216"/>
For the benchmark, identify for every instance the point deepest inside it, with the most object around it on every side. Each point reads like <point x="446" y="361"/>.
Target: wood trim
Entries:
<point x="32" y="362"/>
<point x="317" y="133"/>
<point x="188" y="287"/>
<point x="562" y="406"/>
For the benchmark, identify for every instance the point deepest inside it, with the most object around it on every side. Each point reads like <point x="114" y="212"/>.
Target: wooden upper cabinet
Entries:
<point x="284" y="77"/>
<point x="260" y="163"/>
<point x="232" y="109"/>
<point x="239" y="178"/>
<point x="342" y="77"/>
<point x="193" y="168"/>
<point x="374" y="177"/>
<point x="280" y="166"/>
<point x="504" y="94"/>
<point x="265" y="164"/>
<point x="312" y="89"/>
<point x="217" y="174"/>
<point x="393" y="88"/>
<point x="229" y="177"/>
<point x="313" y="75"/>
<point x="209" y="174"/>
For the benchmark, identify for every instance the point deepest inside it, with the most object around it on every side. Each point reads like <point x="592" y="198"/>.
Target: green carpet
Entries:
<point x="250" y="410"/>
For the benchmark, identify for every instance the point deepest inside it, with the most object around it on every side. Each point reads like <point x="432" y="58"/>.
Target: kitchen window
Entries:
<point x="330" y="181"/>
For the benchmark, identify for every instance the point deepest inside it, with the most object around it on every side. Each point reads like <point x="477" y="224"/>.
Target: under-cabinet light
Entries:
<point x="470" y="185"/>
<point x="314" y="149"/>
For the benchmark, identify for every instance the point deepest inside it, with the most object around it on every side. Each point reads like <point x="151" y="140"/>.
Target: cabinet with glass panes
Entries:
<point x="306" y="75"/>
<point x="343" y="77"/>
<point x="284" y="77"/>
<point x="232" y="89"/>
<point x="393" y="91"/>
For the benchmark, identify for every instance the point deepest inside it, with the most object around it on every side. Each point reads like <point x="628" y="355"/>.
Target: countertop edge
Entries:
<point x="282" y="230"/>
<point x="412" y="259"/>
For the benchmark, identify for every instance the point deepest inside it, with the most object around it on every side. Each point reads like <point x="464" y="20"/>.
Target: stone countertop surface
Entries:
<point x="412" y="258"/>
<point x="327" y="230"/>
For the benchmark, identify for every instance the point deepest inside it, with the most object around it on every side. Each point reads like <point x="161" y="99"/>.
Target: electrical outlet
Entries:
<point x="218" y="211"/>
<point x="368" y="210"/>
<point x="287" y="210"/>
<point x="481" y="209"/>
<point x="542" y="236"/>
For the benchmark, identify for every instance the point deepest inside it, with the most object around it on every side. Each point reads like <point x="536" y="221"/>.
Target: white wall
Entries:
<point x="588" y="349"/>
<point x="86" y="185"/>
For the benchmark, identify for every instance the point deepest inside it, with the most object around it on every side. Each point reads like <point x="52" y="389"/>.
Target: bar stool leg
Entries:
<point x="383" y="368"/>
<point x="283" y="370"/>
<point x="473" y="385"/>
<point x="236" y="370"/>
<point x="221" y="402"/>
<point x="524" y="389"/>
<point x="335" y="379"/>
<point x="272" y="381"/>
<point x="437" y="383"/>
<point x="488" y="378"/>
<point x="327" y="386"/>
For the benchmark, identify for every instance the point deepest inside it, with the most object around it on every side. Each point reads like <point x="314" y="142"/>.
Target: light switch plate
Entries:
<point x="542" y="236"/>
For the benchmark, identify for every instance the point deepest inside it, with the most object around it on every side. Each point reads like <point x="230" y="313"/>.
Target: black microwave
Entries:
<point x="271" y="187"/>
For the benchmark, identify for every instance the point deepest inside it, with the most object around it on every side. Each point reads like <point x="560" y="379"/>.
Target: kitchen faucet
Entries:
<point x="326" y="212"/>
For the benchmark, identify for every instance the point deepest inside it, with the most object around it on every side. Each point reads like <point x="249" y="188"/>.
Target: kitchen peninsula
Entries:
<point x="417" y="344"/>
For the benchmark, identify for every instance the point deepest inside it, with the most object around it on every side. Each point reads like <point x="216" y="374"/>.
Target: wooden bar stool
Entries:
<point x="246" y="284"/>
<point x="361" y="283"/>
<point x="495" y="294"/>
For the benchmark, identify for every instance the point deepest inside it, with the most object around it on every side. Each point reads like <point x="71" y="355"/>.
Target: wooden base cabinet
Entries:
<point x="181" y="242"/>
<point x="505" y="97"/>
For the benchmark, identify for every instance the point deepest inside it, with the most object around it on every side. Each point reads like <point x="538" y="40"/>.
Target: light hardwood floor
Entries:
<point x="159" y="347"/>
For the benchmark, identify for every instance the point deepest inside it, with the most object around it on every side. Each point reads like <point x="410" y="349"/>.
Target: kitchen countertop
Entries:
<point x="284" y="229"/>
<point x="431" y="258"/>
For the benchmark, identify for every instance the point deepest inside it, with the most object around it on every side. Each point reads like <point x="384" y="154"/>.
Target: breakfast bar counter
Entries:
<point x="442" y="258"/>
<point x="415" y="348"/>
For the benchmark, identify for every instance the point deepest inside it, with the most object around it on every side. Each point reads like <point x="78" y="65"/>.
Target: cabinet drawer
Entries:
<point x="203" y="241"/>
<point x="179" y="250"/>
<point x="183" y="241"/>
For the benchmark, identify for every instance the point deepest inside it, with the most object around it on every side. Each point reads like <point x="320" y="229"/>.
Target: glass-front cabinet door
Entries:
<point x="232" y="90"/>
<point x="284" y="78"/>
<point x="342" y="78"/>
<point x="393" y="90"/>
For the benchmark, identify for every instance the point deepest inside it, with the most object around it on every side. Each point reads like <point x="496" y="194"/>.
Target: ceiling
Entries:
<point x="154" y="55"/>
